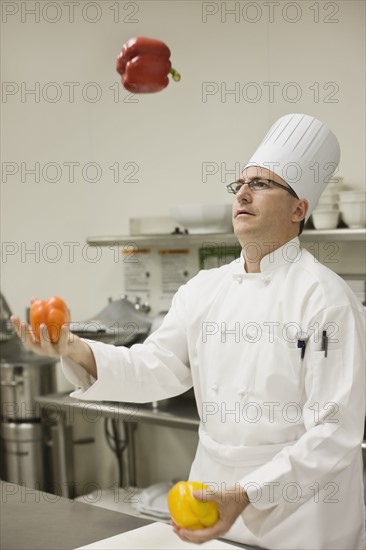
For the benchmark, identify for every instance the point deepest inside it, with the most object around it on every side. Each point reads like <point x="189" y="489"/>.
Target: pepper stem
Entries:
<point x="175" y="75"/>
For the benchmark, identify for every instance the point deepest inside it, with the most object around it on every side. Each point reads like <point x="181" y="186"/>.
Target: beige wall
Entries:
<point x="168" y="138"/>
<point x="314" y="64"/>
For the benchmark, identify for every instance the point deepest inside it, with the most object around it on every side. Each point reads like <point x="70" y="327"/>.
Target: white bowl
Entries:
<point x="328" y="196"/>
<point x="204" y="218"/>
<point x="325" y="205"/>
<point x="336" y="179"/>
<point x="152" y="225"/>
<point x="350" y="196"/>
<point x="336" y="186"/>
<point x="353" y="213"/>
<point x="325" y="219"/>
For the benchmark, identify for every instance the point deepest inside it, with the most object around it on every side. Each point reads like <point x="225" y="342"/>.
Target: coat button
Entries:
<point x="242" y="393"/>
<point x="214" y="388"/>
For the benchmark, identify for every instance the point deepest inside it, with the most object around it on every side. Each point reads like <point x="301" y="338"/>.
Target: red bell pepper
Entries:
<point x="144" y="65"/>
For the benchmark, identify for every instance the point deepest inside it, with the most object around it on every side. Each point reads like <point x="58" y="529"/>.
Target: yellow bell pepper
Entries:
<point x="187" y="511"/>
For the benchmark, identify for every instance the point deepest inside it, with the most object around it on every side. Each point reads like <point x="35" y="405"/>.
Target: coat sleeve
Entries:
<point x="154" y="370"/>
<point x="333" y="415"/>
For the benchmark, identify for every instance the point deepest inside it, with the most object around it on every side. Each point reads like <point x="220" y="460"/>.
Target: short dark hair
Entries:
<point x="302" y="223"/>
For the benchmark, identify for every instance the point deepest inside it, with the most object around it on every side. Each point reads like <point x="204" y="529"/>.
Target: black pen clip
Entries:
<point x="302" y="344"/>
<point x="325" y="343"/>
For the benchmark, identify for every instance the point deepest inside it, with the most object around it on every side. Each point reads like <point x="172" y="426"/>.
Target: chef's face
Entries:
<point x="272" y="214"/>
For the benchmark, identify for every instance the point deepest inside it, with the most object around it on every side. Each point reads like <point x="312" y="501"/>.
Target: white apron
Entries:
<point x="310" y="527"/>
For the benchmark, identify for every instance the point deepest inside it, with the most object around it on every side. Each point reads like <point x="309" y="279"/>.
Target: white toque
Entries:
<point x="302" y="151"/>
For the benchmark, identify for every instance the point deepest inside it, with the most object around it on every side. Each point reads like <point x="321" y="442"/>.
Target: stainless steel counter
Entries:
<point x="34" y="520"/>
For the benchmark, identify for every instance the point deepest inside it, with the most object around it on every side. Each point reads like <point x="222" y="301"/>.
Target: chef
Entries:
<point x="273" y="345"/>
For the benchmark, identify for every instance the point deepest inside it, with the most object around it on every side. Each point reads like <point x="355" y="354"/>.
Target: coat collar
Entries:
<point x="285" y="255"/>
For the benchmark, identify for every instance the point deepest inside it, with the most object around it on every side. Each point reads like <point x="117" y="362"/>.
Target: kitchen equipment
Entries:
<point x="6" y="328"/>
<point x="325" y="219"/>
<point x="152" y="225"/>
<point x="336" y="183"/>
<point x="23" y="454"/>
<point x="363" y="446"/>
<point x="204" y="218"/>
<point x="352" y="195"/>
<point x="24" y="376"/>
<point x="119" y="323"/>
<point x="153" y="501"/>
<point x="324" y="205"/>
<point x="328" y="196"/>
<point x="353" y="213"/>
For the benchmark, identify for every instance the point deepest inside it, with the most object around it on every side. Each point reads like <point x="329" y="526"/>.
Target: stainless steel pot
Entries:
<point x="24" y="376"/>
<point x="23" y="454"/>
<point x="6" y="329"/>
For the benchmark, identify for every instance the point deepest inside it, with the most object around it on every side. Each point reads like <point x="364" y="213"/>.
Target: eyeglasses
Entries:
<point x="258" y="185"/>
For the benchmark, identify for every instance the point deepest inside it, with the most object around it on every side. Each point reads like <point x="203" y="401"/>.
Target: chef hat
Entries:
<point x="303" y="151"/>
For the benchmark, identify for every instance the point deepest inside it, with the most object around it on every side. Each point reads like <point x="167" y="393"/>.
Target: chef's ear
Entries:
<point x="301" y="207"/>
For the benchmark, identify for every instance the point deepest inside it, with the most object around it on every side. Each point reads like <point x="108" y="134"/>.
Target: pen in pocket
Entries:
<point x="325" y="343"/>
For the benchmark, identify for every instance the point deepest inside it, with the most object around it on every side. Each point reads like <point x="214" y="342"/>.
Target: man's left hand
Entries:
<point x="231" y="503"/>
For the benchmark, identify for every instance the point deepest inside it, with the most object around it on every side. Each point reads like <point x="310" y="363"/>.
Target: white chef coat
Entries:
<point x="288" y="429"/>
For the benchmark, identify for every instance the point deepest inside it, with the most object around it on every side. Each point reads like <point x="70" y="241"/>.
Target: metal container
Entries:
<point x="22" y="446"/>
<point x="364" y="466"/>
<point x="22" y="379"/>
<point x="120" y="323"/>
<point x="24" y="376"/>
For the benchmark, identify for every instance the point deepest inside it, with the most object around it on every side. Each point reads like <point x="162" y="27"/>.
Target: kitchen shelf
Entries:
<point x="218" y="238"/>
<point x="334" y="235"/>
<point x="163" y="239"/>
<point x="176" y="412"/>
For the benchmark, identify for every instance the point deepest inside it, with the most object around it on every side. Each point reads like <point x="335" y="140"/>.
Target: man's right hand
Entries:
<point x="69" y="345"/>
<point x="44" y="346"/>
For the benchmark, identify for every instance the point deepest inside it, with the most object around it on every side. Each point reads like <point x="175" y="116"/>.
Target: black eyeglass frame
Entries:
<point x="249" y="184"/>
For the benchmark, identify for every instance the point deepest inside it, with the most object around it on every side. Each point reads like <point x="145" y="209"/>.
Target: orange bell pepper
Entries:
<point x="187" y="511"/>
<point x="54" y="313"/>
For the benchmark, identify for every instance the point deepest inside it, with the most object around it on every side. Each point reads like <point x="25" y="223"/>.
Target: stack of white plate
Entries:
<point x="326" y="213"/>
<point x="352" y="204"/>
<point x="153" y="501"/>
<point x="340" y="201"/>
<point x="204" y="218"/>
<point x="145" y="503"/>
<point x="152" y="225"/>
